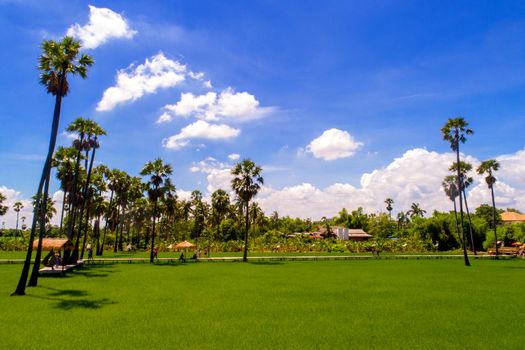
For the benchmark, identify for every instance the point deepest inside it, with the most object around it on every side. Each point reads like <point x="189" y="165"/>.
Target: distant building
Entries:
<point x="510" y="217"/>
<point x="345" y="234"/>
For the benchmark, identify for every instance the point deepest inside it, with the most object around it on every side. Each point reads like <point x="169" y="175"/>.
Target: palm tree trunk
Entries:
<point x="16" y="229"/>
<point x="62" y="213"/>
<point x="469" y="224"/>
<point x="85" y="235"/>
<point x="457" y="223"/>
<point x="115" y="247"/>
<point x="245" y="254"/>
<point x="153" y="232"/>
<point x="121" y="228"/>
<point x="96" y="232"/>
<point x="106" y="225"/>
<point x="465" y="256"/>
<point x="494" y="220"/>
<point x="20" y="290"/>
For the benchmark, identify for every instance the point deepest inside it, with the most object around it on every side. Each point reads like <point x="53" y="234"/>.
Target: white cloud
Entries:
<point x="333" y="144"/>
<point x="102" y="26"/>
<point x="164" y="118"/>
<point x="200" y="130"/>
<point x="157" y="72"/>
<point x="234" y="156"/>
<point x="239" y="106"/>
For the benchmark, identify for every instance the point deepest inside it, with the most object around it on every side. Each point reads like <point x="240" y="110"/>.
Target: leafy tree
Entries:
<point x="220" y="203"/>
<point x="489" y="167"/>
<point x="454" y="132"/>
<point x="158" y="173"/>
<point x="3" y="208"/>
<point x="57" y="61"/>
<point x="246" y="183"/>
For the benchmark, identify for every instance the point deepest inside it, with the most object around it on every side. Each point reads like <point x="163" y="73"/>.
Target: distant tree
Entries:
<point x="416" y="211"/>
<point x="489" y="167"/>
<point x="466" y="181"/>
<point x="389" y="202"/>
<point x="454" y="132"/>
<point x="17" y="207"/>
<point x="246" y="183"/>
<point x="220" y="202"/>
<point x="3" y="208"/>
<point x="158" y="173"/>
<point x="451" y="190"/>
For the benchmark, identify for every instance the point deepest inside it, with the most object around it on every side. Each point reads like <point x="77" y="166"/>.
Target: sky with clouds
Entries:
<point x="340" y="102"/>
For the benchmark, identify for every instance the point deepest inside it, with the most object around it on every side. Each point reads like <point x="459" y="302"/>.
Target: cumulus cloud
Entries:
<point x="157" y="72"/>
<point x="333" y="144"/>
<point x="200" y="130"/>
<point x="238" y="106"/>
<point x="103" y="25"/>
<point x="416" y="176"/>
<point x="234" y="156"/>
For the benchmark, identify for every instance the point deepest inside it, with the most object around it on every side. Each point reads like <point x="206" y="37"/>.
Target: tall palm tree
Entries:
<point x="158" y="173"/>
<point x="17" y="207"/>
<point x="389" y="202"/>
<point x="416" y="211"/>
<point x="220" y="204"/>
<point x="455" y="131"/>
<point x="57" y="61"/>
<point x="246" y="183"/>
<point x="450" y="187"/>
<point x="64" y="161"/>
<point x="465" y="182"/>
<point x="489" y="167"/>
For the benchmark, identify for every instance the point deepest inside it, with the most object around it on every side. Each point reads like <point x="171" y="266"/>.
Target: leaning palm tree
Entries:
<point x="57" y="60"/>
<point x="489" y="167"/>
<point x="454" y="132"/>
<point x="158" y="173"/>
<point x="389" y="202"/>
<point x="246" y="184"/>
<point x="17" y="207"/>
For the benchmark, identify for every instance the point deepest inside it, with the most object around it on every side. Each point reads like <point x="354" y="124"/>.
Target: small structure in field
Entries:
<point x="55" y="244"/>
<point x="511" y="217"/>
<point x="344" y="234"/>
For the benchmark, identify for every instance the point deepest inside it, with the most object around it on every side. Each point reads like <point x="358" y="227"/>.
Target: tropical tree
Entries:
<point x="64" y="162"/>
<point x="158" y="173"/>
<point x="17" y="207"/>
<point x="57" y="61"/>
<point x="220" y="203"/>
<point x="416" y="211"/>
<point x="389" y="202"/>
<point x="246" y="183"/>
<point x="465" y="181"/>
<point x="454" y="132"/>
<point x="489" y="167"/>
<point x="3" y="208"/>
<point x="450" y="187"/>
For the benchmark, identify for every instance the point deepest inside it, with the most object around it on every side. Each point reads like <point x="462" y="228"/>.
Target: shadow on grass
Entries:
<point x="269" y="262"/>
<point x="64" y="299"/>
<point x="514" y="267"/>
<point x="95" y="271"/>
<point x="65" y="292"/>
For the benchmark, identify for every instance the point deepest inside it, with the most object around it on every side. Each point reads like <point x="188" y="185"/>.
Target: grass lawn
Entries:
<point x="408" y="304"/>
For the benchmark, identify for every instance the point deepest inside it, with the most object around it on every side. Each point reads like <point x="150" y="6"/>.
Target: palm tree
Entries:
<point x="17" y="207"/>
<point x="57" y="60"/>
<point x="489" y="167"/>
<point x="246" y="183"/>
<point x="416" y="211"/>
<point x="3" y="208"/>
<point x="465" y="182"/>
<point x="454" y="132"/>
<point x="402" y="220"/>
<point x="220" y="203"/>
<point x="450" y="187"/>
<point x="64" y="161"/>
<point x="158" y="173"/>
<point x="389" y="202"/>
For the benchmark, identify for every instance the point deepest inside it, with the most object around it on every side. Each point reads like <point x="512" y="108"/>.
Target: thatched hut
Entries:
<point x="54" y="244"/>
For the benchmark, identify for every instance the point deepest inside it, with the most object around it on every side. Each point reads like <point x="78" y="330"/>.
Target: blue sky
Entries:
<point x="385" y="75"/>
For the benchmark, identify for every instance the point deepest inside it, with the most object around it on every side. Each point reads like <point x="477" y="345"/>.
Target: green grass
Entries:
<point x="407" y="304"/>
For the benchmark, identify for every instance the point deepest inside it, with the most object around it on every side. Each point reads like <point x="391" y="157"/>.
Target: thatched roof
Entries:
<point x="184" y="244"/>
<point x="352" y="232"/>
<point x="54" y="244"/>
<point x="510" y="216"/>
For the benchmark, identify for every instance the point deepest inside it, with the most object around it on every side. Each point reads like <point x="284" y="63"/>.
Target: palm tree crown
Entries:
<point x="247" y="179"/>
<point x="454" y="131"/>
<point x="488" y="167"/>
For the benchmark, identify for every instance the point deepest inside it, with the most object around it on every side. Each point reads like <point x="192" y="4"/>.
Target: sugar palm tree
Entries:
<point x="158" y="173"/>
<point x="57" y="61"/>
<point x="389" y="202"/>
<point x="17" y="207"/>
<point x="450" y="187"/>
<point x="465" y="182"/>
<point x="454" y="132"/>
<point x="64" y="162"/>
<point x="246" y="183"/>
<point x="3" y="208"/>
<point x="489" y="167"/>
